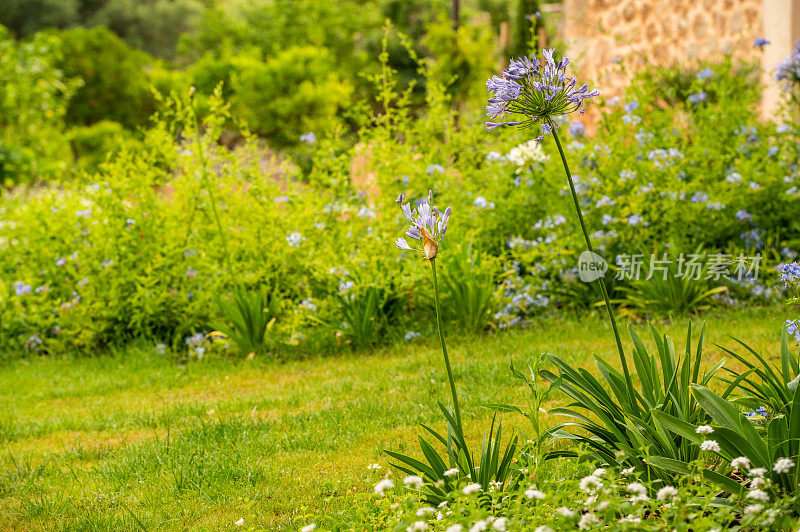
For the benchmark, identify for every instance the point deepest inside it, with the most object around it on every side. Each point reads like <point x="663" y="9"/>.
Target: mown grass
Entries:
<point x="137" y="441"/>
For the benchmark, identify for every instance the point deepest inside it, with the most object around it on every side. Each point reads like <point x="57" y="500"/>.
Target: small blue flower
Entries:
<point x="577" y="129"/>
<point x="309" y="138"/>
<point x="295" y="239"/>
<point x="694" y="99"/>
<point x="430" y="170"/>
<point x="699" y="197"/>
<point x="411" y="335"/>
<point x="760" y="42"/>
<point x="773" y="151"/>
<point x="22" y="289"/>
<point x="704" y="74"/>
<point x="790" y="272"/>
<point x="743" y="216"/>
<point x="635" y="219"/>
<point x="631" y="106"/>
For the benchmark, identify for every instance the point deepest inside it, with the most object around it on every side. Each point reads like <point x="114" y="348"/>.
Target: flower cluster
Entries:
<point x="531" y="91"/>
<point x="788" y="70"/>
<point x="428" y="226"/>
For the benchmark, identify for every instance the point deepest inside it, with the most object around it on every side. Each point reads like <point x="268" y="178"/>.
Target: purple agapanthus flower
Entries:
<point x="760" y="42"/>
<point x="428" y="227"/>
<point x="531" y="91"/>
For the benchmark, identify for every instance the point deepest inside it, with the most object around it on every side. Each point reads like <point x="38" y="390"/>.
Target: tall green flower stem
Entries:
<point x="603" y="289"/>
<point x="444" y="348"/>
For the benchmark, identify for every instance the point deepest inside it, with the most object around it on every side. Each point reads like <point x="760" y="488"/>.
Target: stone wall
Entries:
<point x="609" y="39"/>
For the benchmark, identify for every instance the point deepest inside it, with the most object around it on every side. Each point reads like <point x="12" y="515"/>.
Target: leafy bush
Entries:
<point x="294" y="92"/>
<point x="115" y="86"/>
<point x="618" y="429"/>
<point x="249" y="316"/>
<point x="32" y="108"/>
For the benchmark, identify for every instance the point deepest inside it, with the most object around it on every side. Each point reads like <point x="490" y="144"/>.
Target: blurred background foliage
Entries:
<point x="134" y="207"/>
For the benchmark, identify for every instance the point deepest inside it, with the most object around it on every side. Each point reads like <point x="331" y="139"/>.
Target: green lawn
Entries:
<point x="136" y="441"/>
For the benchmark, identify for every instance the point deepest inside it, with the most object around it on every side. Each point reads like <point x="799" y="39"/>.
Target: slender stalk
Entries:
<point x="444" y="348"/>
<point x="603" y="289"/>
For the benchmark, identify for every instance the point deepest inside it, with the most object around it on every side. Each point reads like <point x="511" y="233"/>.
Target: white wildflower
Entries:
<point x="627" y="472"/>
<point x="240" y="522"/>
<point x="480" y="526"/>
<point x="783" y="465"/>
<point x="527" y="153"/>
<point x="757" y="472"/>
<point x="425" y="510"/>
<point x="758" y="495"/>
<point x="469" y="489"/>
<point x="309" y="528"/>
<point x="383" y="485"/>
<point x="740" y="463"/>
<point x="417" y="526"/>
<point x="500" y="524"/>
<point x="602" y="506"/>
<point x="374" y="466"/>
<point x="666" y="493"/>
<point x="599" y="472"/>
<point x="753" y="509"/>
<point x="639" y="492"/>
<point x="454" y="528"/>
<point x="704" y="429"/>
<point x="534" y="494"/>
<point x="757" y="482"/>
<point x="591" y="483"/>
<point x="451" y="472"/>
<point x="413" y="481"/>
<point x="566" y="512"/>
<point x="587" y="521"/>
<point x="710" y="445"/>
<point x="543" y="528"/>
<point x="630" y="518"/>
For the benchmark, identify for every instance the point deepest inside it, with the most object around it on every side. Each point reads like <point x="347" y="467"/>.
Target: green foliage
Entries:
<point x="151" y="25"/>
<point x="468" y="286"/>
<point x="33" y="99"/>
<point x="26" y="17"/>
<point x="92" y="145"/>
<point x="114" y="85"/>
<point x="764" y="386"/>
<point x="490" y="467"/>
<point x="629" y="431"/>
<point x="526" y="28"/>
<point x="293" y="92"/>
<point x="459" y="59"/>
<point x="248" y="317"/>
<point x="672" y="291"/>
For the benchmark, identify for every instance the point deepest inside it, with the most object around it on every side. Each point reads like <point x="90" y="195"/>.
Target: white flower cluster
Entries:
<point x="526" y="154"/>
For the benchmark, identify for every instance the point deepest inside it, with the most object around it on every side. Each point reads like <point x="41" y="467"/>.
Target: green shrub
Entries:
<point x="294" y="92"/>
<point x="33" y="99"/>
<point x="93" y="145"/>
<point x="115" y="84"/>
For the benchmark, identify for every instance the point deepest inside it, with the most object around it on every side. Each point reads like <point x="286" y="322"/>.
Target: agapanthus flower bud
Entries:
<point x="428" y="227"/>
<point x="535" y="91"/>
